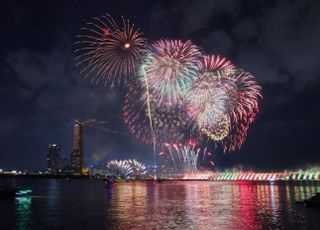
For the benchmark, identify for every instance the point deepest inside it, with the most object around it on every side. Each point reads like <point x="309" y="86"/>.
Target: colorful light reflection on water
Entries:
<point x="23" y="212"/>
<point x="87" y="204"/>
<point x="210" y="205"/>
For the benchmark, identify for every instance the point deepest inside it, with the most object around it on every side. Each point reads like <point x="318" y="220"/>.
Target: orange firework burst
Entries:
<point x="109" y="53"/>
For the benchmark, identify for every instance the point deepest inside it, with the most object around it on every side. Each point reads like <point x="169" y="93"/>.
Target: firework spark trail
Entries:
<point x="184" y="156"/>
<point x="204" y="153"/>
<point x="150" y="123"/>
<point x="171" y="153"/>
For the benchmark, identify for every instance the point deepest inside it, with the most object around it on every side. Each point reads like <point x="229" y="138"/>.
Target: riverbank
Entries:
<point x="44" y="176"/>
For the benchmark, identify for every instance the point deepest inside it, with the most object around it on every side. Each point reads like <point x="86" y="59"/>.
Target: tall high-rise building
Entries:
<point x="77" y="151"/>
<point x="53" y="158"/>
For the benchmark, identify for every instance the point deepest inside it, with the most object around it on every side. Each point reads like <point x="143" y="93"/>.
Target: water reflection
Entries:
<point x="207" y="205"/>
<point x="24" y="213"/>
<point x="86" y="204"/>
<point x="128" y="200"/>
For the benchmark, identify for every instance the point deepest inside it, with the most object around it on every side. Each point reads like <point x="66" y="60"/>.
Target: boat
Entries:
<point x="313" y="201"/>
<point x="11" y="192"/>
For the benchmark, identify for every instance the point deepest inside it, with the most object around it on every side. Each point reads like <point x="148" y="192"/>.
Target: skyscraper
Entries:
<point x="53" y="158"/>
<point x="77" y="152"/>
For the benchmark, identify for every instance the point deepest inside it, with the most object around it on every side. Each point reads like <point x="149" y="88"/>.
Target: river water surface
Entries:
<point x="87" y="204"/>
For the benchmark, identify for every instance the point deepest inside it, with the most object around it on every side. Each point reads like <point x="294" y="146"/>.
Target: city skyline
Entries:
<point x="43" y="91"/>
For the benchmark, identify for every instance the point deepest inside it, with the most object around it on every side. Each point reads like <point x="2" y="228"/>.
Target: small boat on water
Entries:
<point x="313" y="201"/>
<point x="11" y="192"/>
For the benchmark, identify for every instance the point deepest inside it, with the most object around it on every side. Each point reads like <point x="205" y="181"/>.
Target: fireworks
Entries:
<point x="184" y="157"/>
<point x="218" y="125"/>
<point x="179" y="92"/>
<point x="137" y="167"/>
<point x="126" y="168"/>
<point x="208" y="99"/>
<point x="134" y="114"/>
<point x="206" y="106"/>
<point x="109" y="53"/>
<point x="169" y="122"/>
<point x="223" y="102"/>
<point x="121" y="168"/>
<point x="216" y="63"/>
<point x="243" y="109"/>
<point x="169" y="68"/>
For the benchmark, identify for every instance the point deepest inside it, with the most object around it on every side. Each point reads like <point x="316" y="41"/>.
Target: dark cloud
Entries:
<point x="57" y="95"/>
<point x="272" y="40"/>
<point x="261" y="64"/>
<point x="246" y="30"/>
<point x="8" y="126"/>
<point x="291" y="33"/>
<point x="42" y="92"/>
<point x="198" y="15"/>
<point x="218" y="42"/>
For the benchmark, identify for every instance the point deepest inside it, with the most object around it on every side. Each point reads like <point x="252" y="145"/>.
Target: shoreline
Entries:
<point x="83" y="177"/>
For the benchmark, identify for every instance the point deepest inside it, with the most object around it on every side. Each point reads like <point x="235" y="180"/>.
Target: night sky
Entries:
<point x="42" y="92"/>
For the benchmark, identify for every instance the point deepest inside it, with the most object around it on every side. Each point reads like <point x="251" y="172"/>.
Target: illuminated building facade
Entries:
<point x="77" y="151"/>
<point x="53" y="158"/>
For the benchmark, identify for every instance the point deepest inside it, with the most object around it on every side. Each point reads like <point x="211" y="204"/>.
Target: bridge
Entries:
<point x="253" y="176"/>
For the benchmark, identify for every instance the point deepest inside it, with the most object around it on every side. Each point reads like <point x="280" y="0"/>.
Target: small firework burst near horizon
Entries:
<point x="125" y="168"/>
<point x="108" y="53"/>
<point x="184" y="157"/>
<point x="138" y="167"/>
<point x="119" y="168"/>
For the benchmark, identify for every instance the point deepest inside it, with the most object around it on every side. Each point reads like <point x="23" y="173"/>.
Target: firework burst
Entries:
<point x="134" y="114"/>
<point x="169" y="69"/>
<point x="109" y="53"/>
<point x="120" y="168"/>
<point x="216" y="63"/>
<point x="138" y="167"/>
<point x="126" y="168"/>
<point x="243" y="108"/>
<point x="168" y="122"/>
<point x="184" y="157"/>
<point x="223" y="102"/>
<point x="214" y="124"/>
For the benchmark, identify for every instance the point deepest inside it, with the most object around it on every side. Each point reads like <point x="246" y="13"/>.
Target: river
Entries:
<point x="87" y="204"/>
